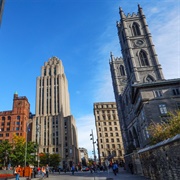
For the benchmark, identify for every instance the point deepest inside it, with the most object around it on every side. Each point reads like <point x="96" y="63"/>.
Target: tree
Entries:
<point x="5" y="151"/>
<point x="51" y="159"/>
<point x="54" y="160"/>
<point x="18" y="152"/>
<point x="164" y="130"/>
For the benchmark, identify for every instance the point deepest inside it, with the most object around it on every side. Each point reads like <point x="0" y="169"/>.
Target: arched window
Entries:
<point x="129" y="65"/>
<point x="136" y="30"/>
<point x="143" y="59"/>
<point x="123" y="37"/>
<point x="9" y="117"/>
<point x="149" y="79"/>
<point x="122" y="71"/>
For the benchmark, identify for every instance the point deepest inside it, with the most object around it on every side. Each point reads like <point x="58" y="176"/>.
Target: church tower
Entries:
<point x="138" y="50"/>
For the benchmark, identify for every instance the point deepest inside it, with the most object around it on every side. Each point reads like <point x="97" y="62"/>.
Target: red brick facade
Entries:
<point x="14" y="121"/>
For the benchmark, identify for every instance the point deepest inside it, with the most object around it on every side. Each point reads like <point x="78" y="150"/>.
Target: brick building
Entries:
<point x="14" y="121"/>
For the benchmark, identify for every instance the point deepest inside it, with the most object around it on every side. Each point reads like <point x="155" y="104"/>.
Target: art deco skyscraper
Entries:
<point x="54" y="128"/>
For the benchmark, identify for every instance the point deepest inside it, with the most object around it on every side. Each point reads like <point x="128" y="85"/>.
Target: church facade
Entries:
<point x="142" y="93"/>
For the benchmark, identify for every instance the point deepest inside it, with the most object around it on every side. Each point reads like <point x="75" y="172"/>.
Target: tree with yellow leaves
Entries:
<point x="164" y="130"/>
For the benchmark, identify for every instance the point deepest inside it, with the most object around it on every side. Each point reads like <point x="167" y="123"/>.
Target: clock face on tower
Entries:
<point x="139" y="42"/>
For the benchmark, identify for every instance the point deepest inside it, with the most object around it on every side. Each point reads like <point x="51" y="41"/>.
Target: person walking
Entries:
<point x="72" y="169"/>
<point x="47" y="170"/>
<point x="115" y="168"/>
<point x="130" y="165"/>
<point x="17" y="171"/>
<point x="43" y="171"/>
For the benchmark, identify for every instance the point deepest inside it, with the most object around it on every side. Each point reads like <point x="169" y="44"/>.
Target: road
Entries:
<point x="122" y="175"/>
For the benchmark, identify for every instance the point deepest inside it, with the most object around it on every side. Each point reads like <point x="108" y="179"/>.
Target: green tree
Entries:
<point x="5" y="150"/>
<point x="18" y="152"/>
<point x="51" y="159"/>
<point x="165" y="130"/>
<point x="54" y="160"/>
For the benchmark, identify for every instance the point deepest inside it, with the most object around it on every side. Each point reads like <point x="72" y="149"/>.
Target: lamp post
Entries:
<point x="38" y="139"/>
<point x="25" y="157"/>
<point x="93" y="145"/>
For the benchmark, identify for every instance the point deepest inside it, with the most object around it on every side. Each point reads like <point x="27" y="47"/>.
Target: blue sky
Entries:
<point x="81" y="33"/>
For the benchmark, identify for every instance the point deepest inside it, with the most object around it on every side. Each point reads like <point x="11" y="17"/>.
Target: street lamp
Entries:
<point x="25" y="157"/>
<point x="93" y="145"/>
<point x="38" y="139"/>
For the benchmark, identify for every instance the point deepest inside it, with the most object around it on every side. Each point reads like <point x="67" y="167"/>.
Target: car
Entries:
<point x="84" y="168"/>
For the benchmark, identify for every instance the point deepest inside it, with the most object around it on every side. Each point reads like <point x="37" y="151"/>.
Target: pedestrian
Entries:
<point x="17" y="171"/>
<point x="43" y="171"/>
<point x="115" y="168"/>
<point x="72" y="169"/>
<point x="47" y="170"/>
<point x="130" y="165"/>
<point x="39" y="171"/>
<point x="35" y="171"/>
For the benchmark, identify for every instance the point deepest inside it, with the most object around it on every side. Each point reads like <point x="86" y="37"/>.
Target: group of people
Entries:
<point x="43" y="171"/>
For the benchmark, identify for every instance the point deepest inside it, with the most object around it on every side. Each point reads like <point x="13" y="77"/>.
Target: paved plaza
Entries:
<point x="122" y="175"/>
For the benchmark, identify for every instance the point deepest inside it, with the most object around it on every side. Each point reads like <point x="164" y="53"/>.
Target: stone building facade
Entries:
<point x="110" y="145"/>
<point x="83" y="155"/>
<point x="54" y="128"/>
<point x="142" y="93"/>
<point x="15" y="120"/>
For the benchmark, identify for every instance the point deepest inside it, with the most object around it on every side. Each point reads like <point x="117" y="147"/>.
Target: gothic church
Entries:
<point x="142" y="93"/>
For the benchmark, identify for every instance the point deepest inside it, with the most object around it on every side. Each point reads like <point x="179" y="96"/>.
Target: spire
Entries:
<point x="121" y="13"/>
<point x="112" y="57"/>
<point x="140" y="10"/>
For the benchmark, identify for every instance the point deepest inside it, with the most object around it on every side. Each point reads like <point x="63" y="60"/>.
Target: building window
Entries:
<point x="122" y="71"/>
<point x="1" y="135"/>
<point x="109" y="123"/>
<point x="3" y="118"/>
<point x="176" y="91"/>
<point x="7" y="129"/>
<point x="178" y="106"/>
<point x="107" y="140"/>
<point x="135" y="28"/>
<point x="112" y="140"/>
<point x="143" y="58"/>
<point x="7" y="134"/>
<point x="18" y="117"/>
<point x="110" y="128"/>
<point x="104" y="123"/>
<point x="116" y="128"/>
<point x="17" y="123"/>
<point x="105" y="129"/>
<point x="101" y="146"/>
<point x="123" y="37"/>
<point x="100" y="135"/>
<point x="117" y="134"/>
<point x="118" y="140"/>
<point x="99" y="129"/>
<point x="158" y="93"/>
<point x="111" y="134"/>
<point x="9" y="117"/>
<point x="162" y="108"/>
<point x="115" y="123"/>
<point x="107" y="145"/>
<point x="106" y="134"/>
<point x="17" y="128"/>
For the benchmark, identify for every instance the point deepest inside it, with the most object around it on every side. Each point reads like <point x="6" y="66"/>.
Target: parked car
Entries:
<point x="84" y="168"/>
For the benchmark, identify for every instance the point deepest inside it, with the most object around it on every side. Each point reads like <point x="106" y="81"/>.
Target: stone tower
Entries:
<point x="138" y="50"/>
